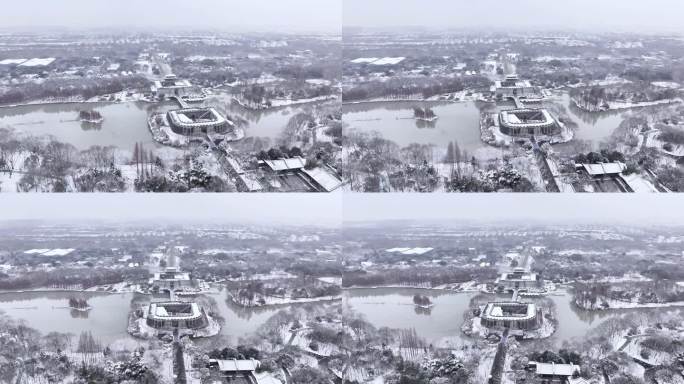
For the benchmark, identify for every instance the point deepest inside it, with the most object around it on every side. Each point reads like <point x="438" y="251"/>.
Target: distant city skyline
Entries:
<point x="229" y="15"/>
<point x="638" y="16"/>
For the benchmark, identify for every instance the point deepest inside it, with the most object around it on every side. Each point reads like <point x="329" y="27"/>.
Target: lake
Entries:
<point x="393" y="307"/>
<point x="394" y="121"/>
<point x="108" y="318"/>
<point x="594" y="127"/>
<point x="45" y="312"/>
<point x="124" y="123"/>
<point x="460" y="121"/>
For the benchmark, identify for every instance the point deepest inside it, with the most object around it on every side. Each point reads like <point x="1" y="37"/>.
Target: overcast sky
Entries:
<point x="332" y="209"/>
<point x="295" y="209"/>
<point x="639" y="209"/>
<point x="232" y="15"/>
<point x="625" y="15"/>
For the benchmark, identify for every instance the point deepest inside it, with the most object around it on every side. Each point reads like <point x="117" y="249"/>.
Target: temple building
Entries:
<point x="511" y="315"/>
<point x="198" y="121"/>
<point x="171" y="279"/>
<point x="172" y="315"/>
<point x="518" y="279"/>
<point x="528" y="122"/>
<point x="171" y="86"/>
<point x="512" y="86"/>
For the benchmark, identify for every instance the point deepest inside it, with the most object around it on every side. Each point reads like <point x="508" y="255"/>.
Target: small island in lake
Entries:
<point x="93" y="117"/>
<point x="424" y="114"/>
<point x="79" y="304"/>
<point x="422" y="301"/>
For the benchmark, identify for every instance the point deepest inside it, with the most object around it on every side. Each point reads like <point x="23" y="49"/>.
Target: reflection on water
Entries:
<point x="261" y="123"/>
<point x="240" y="321"/>
<point x="394" y="120"/>
<point x="422" y="310"/>
<point x="394" y="308"/>
<point x="420" y="124"/>
<point x="385" y="307"/>
<point x="48" y="312"/>
<point x="594" y="127"/>
<point x="124" y="123"/>
<point x="76" y="314"/>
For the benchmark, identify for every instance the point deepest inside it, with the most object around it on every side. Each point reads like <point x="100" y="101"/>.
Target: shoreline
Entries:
<point x="231" y="299"/>
<point x="42" y="103"/>
<point x="622" y="108"/>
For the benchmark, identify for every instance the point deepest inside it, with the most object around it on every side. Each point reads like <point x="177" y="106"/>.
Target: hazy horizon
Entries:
<point x="226" y="15"/>
<point x="657" y="16"/>
<point x="294" y="209"/>
<point x="336" y="209"/>
<point x="633" y="209"/>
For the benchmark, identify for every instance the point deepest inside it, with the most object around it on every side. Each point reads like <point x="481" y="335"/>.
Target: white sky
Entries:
<point x="638" y="209"/>
<point x="625" y="15"/>
<point x="332" y="209"/>
<point x="232" y="15"/>
<point x="295" y="209"/>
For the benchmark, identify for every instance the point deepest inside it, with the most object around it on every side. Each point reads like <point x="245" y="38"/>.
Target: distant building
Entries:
<point x="512" y="315"/>
<point x="518" y="279"/>
<point x="171" y="86"/>
<point x="512" y="86"/>
<point x="528" y="122"/>
<point x="170" y="280"/>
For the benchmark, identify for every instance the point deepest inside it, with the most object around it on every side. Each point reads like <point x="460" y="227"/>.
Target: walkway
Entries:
<point x="183" y="104"/>
<point x="518" y="104"/>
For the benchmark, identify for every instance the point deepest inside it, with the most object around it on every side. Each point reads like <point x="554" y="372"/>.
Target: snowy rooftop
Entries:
<point x="639" y="184"/>
<point x="172" y="276"/>
<point x="38" y="62"/>
<point x="296" y="162"/>
<point x="12" y="61"/>
<point x="526" y="117"/>
<point x="603" y="168"/>
<point x="555" y="369"/>
<point x="175" y="310"/>
<point x="50" y="252"/>
<point x="503" y="311"/>
<point x="379" y="61"/>
<point x="519" y="276"/>
<point x="234" y="365"/>
<point x="410" y="251"/>
<point x="207" y="117"/>
<point x="324" y="178"/>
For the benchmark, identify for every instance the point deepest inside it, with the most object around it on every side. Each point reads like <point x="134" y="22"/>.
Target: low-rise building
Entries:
<point x="528" y="122"/>
<point x="518" y="279"/>
<point x="171" y="86"/>
<point x="172" y="315"/>
<point x="511" y="315"/>
<point x="552" y="373"/>
<point x="198" y="121"/>
<point x="512" y="86"/>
